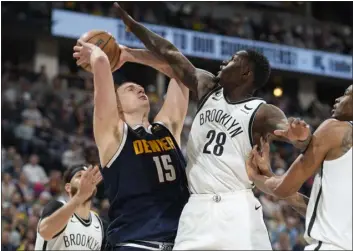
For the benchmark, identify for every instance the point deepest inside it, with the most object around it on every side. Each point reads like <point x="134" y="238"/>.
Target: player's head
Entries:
<point x="246" y="67"/>
<point x="343" y="107"/>
<point x="132" y="98"/>
<point x="72" y="178"/>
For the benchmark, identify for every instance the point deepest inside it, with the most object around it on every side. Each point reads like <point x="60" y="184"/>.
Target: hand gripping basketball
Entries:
<point x="83" y="52"/>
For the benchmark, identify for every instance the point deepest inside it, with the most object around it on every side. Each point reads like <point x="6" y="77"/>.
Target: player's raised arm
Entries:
<point x="304" y="166"/>
<point x="56" y="215"/>
<point x="270" y="122"/>
<point x="174" y="109"/>
<point x="106" y="120"/>
<point x="183" y="69"/>
<point x="144" y="57"/>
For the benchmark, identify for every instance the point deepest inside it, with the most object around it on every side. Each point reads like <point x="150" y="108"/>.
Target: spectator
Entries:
<point x="283" y="243"/>
<point x="25" y="133"/>
<point x="73" y="156"/>
<point x="5" y="242"/>
<point x="32" y="113"/>
<point x="34" y="172"/>
<point x="7" y="187"/>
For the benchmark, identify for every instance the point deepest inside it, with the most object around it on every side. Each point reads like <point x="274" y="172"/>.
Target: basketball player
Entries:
<point x="222" y="212"/>
<point x="142" y="166"/>
<point x="329" y="155"/>
<point x="72" y="225"/>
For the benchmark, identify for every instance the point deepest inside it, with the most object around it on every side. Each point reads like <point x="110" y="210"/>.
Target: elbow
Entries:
<point x="99" y="61"/>
<point x="43" y="230"/>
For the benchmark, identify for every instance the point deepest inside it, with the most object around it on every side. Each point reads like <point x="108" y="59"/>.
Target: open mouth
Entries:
<point x="143" y="97"/>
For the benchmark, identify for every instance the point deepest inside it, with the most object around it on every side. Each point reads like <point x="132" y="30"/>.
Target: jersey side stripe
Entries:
<point x="313" y="216"/>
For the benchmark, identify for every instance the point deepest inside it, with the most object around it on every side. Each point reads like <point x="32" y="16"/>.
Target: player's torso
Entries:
<point x="329" y="213"/>
<point x="218" y="144"/>
<point x="146" y="185"/>
<point x="78" y="235"/>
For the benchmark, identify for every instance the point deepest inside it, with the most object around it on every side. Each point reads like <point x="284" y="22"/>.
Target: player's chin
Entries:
<point x="92" y="196"/>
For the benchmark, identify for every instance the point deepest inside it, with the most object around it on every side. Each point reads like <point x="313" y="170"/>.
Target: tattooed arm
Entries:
<point x="144" y="57"/>
<point x="198" y="81"/>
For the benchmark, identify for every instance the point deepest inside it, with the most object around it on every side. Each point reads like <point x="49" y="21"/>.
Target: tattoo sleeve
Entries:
<point x="182" y="67"/>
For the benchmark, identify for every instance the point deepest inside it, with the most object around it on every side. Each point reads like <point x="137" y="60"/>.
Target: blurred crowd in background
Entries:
<point x="46" y="124"/>
<point x="225" y="18"/>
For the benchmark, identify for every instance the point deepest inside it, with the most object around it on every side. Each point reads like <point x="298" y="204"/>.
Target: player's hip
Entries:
<point x="223" y="207"/>
<point x="222" y="221"/>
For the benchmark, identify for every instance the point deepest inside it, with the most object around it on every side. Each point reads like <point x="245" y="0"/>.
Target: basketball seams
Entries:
<point x="112" y="60"/>
<point x="85" y="66"/>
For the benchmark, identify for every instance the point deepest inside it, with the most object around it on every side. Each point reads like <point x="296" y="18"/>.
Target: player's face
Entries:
<point x="132" y="98"/>
<point x="234" y="71"/>
<point x="343" y="108"/>
<point x="74" y="184"/>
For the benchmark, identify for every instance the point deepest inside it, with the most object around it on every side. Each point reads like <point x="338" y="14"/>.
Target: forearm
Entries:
<point x="183" y="70"/>
<point x="298" y="202"/>
<point x="54" y="223"/>
<point x="151" y="40"/>
<point x="146" y="57"/>
<point x="302" y="145"/>
<point x="270" y="185"/>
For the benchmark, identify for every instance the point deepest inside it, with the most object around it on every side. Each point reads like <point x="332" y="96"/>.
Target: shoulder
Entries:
<point x="51" y="207"/>
<point x="331" y="127"/>
<point x="269" y="111"/>
<point x="205" y="81"/>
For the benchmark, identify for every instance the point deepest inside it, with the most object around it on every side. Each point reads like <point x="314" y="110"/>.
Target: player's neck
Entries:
<point x="136" y="119"/>
<point x="238" y="93"/>
<point x="83" y="210"/>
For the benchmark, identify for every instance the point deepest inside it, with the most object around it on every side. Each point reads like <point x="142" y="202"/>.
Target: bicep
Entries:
<point x="175" y="106"/>
<point x="269" y="118"/>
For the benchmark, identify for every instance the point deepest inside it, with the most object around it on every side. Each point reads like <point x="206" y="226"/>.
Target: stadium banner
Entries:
<point x="210" y="46"/>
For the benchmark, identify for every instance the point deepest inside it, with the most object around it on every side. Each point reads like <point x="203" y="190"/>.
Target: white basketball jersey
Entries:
<point x="329" y="213"/>
<point x="218" y="145"/>
<point x="77" y="235"/>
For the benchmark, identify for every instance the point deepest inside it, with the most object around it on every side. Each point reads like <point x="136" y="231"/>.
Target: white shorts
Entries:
<point x="224" y="221"/>
<point x="322" y="246"/>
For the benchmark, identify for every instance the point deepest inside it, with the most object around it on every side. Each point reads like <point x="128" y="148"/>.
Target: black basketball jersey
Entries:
<point x="146" y="185"/>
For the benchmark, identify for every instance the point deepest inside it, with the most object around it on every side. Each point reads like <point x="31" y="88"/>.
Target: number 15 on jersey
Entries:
<point x="165" y="169"/>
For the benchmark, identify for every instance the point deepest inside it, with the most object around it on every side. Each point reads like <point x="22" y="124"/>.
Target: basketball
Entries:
<point x="106" y="42"/>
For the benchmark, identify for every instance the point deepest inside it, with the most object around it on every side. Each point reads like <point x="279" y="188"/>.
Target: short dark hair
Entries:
<point x="70" y="172"/>
<point x="261" y="68"/>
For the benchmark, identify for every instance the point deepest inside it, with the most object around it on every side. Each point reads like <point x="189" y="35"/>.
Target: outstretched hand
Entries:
<point x="298" y="130"/>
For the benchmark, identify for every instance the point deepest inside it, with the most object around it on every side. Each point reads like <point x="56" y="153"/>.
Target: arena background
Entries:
<point x="46" y="120"/>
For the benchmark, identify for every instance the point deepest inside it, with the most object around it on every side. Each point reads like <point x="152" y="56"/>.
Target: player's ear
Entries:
<point x="68" y="188"/>
<point x="247" y="75"/>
